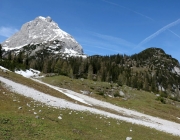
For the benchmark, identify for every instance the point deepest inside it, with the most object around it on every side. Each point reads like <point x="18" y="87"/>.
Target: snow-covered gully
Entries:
<point x="129" y="115"/>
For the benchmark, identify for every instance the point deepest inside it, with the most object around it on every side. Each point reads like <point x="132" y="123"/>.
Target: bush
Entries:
<point x="116" y="95"/>
<point x="175" y="99"/>
<point x="101" y="93"/>
<point x="164" y="94"/>
<point x="161" y="99"/>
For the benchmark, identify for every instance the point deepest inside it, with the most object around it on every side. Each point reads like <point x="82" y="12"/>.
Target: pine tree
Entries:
<point x="20" y="58"/>
<point x="26" y="62"/>
<point x="45" y="66"/>
<point x="90" y="72"/>
<point x="0" y="51"/>
<point x="9" y="56"/>
<point x="57" y="68"/>
<point x="64" y="69"/>
<point x="153" y="84"/>
<point x="81" y="69"/>
<point x="71" y="73"/>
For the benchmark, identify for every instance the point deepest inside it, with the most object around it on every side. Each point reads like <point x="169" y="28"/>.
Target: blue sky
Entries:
<point x="103" y="26"/>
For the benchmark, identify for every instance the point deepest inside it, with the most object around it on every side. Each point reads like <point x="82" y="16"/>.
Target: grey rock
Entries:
<point x="19" y="107"/>
<point x="37" y="117"/>
<point x="42" y="30"/>
<point x="60" y="117"/>
<point x="121" y="94"/>
<point x="85" y="92"/>
<point x="128" y="138"/>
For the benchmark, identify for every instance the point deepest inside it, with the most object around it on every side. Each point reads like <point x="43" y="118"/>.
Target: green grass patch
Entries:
<point x="22" y="124"/>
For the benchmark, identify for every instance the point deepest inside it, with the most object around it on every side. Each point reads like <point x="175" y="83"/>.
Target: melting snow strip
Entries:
<point x="62" y="91"/>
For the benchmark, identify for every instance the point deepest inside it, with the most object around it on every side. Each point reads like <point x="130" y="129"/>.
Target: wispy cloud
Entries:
<point x="104" y="44"/>
<point x="173" y="33"/>
<point x="7" y="31"/>
<point x="128" y="9"/>
<point x="97" y="44"/>
<point x="158" y="32"/>
<point x="145" y="16"/>
<point x="114" y="40"/>
<point x="92" y="52"/>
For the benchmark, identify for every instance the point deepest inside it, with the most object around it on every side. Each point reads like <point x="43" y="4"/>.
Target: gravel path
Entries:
<point x="133" y="116"/>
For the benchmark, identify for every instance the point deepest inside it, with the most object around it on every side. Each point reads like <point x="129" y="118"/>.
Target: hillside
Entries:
<point x="40" y="118"/>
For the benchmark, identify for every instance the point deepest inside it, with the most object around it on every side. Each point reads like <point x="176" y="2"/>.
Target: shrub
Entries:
<point x="116" y="94"/>
<point x="101" y="93"/>
<point x="161" y="99"/>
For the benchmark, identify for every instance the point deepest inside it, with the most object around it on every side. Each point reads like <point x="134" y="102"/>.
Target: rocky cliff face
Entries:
<point x="43" y="30"/>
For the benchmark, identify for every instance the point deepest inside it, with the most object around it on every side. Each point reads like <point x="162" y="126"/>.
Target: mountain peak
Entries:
<point x="154" y="50"/>
<point x="41" y="30"/>
<point x="47" y="19"/>
<point x="40" y="17"/>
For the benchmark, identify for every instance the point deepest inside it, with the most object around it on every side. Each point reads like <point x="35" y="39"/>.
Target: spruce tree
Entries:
<point x="90" y="72"/>
<point x="0" y="51"/>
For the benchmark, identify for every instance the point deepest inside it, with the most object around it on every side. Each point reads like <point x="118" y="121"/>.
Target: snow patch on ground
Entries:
<point x="69" y="94"/>
<point x="28" y="73"/>
<point x="35" y="73"/>
<point x="4" y="68"/>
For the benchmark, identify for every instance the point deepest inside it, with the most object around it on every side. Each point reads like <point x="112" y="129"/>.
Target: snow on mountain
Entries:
<point x="177" y="70"/>
<point x="42" y="30"/>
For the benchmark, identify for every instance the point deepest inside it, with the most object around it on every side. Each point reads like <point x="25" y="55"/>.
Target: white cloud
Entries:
<point x="7" y="31"/>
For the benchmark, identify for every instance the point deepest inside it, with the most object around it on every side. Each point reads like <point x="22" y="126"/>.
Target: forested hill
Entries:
<point x="151" y="70"/>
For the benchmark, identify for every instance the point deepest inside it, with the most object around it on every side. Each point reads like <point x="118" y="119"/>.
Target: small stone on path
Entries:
<point x="128" y="138"/>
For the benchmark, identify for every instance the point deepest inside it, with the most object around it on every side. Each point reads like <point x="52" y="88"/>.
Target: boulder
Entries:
<point x="121" y="94"/>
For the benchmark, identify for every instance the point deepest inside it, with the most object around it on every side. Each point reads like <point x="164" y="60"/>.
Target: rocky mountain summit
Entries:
<point x="41" y="31"/>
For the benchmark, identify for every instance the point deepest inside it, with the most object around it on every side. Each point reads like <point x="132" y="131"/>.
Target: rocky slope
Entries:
<point x="156" y="58"/>
<point x="43" y="33"/>
<point x="160" y="69"/>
